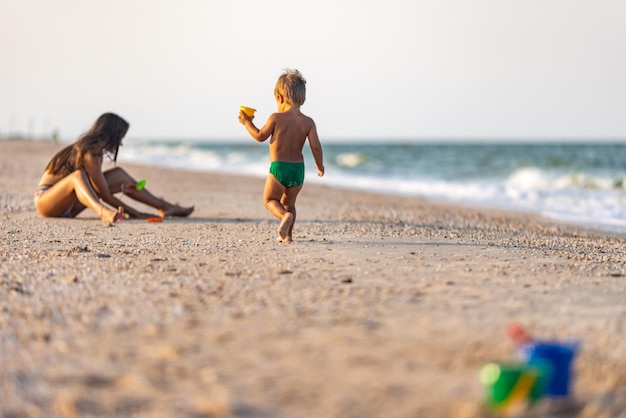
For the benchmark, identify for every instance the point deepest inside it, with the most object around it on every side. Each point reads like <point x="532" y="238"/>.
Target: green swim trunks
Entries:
<point x="288" y="174"/>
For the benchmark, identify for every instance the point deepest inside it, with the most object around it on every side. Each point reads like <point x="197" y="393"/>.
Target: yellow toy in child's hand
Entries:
<point x="248" y="111"/>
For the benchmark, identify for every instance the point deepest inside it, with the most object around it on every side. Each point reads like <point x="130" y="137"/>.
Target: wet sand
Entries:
<point x="382" y="307"/>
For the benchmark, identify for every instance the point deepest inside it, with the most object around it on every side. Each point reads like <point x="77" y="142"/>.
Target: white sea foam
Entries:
<point x="350" y="159"/>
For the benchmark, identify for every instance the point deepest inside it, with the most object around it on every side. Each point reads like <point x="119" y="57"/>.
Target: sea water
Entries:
<point x="581" y="183"/>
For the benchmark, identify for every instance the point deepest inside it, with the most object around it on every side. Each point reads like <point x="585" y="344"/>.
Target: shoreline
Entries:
<point x="383" y="306"/>
<point x="556" y="208"/>
<point x="562" y="219"/>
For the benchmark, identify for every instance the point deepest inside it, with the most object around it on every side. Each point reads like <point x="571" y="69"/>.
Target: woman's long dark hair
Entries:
<point x="105" y="135"/>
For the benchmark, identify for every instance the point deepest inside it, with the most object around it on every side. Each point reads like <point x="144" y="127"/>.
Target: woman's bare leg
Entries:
<point x="117" y="177"/>
<point x="57" y="200"/>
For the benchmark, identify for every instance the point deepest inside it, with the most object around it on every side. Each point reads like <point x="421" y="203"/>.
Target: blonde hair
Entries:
<point x="291" y="85"/>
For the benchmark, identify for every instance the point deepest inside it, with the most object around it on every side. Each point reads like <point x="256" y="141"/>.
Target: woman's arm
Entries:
<point x="93" y="167"/>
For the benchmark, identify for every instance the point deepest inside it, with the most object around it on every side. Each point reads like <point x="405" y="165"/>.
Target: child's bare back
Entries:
<point x="291" y="130"/>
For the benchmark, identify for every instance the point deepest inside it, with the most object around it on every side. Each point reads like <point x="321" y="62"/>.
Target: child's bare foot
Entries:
<point x="175" y="210"/>
<point x="284" y="227"/>
<point x="109" y="215"/>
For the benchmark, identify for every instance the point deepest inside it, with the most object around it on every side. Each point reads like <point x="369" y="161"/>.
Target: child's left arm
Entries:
<point x="316" y="149"/>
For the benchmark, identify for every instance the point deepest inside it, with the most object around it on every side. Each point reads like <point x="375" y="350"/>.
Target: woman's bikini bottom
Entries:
<point x="42" y="188"/>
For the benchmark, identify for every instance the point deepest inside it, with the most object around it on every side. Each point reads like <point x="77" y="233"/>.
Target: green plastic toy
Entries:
<point x="510" y="386"/>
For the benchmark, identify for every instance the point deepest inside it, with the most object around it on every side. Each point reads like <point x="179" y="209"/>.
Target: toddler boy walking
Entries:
<point x="289" y="129"/>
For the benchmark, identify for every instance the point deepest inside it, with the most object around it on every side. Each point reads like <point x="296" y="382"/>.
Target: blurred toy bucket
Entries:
<point x="560" y="356"/>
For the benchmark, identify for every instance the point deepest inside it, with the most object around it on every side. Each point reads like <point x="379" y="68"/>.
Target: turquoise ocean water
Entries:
<point x="582" y="183"/>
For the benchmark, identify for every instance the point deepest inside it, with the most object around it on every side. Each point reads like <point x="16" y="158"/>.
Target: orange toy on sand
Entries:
<point x="518" y="334"/>
<point x="154" y="220"/>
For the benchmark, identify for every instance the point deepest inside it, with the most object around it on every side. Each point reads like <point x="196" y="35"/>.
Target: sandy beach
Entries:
<point x="382" y="307"/>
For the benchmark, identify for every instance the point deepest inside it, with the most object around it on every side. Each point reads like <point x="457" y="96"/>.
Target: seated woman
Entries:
<point x="73" y="180"/>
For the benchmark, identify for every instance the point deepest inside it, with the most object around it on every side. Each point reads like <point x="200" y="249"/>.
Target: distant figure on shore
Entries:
<point x="73" y="180"/>
<point x="289" y="129"/>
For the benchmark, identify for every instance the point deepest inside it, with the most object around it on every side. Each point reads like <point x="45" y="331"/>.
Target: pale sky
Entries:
<point x="414" y="69"/>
